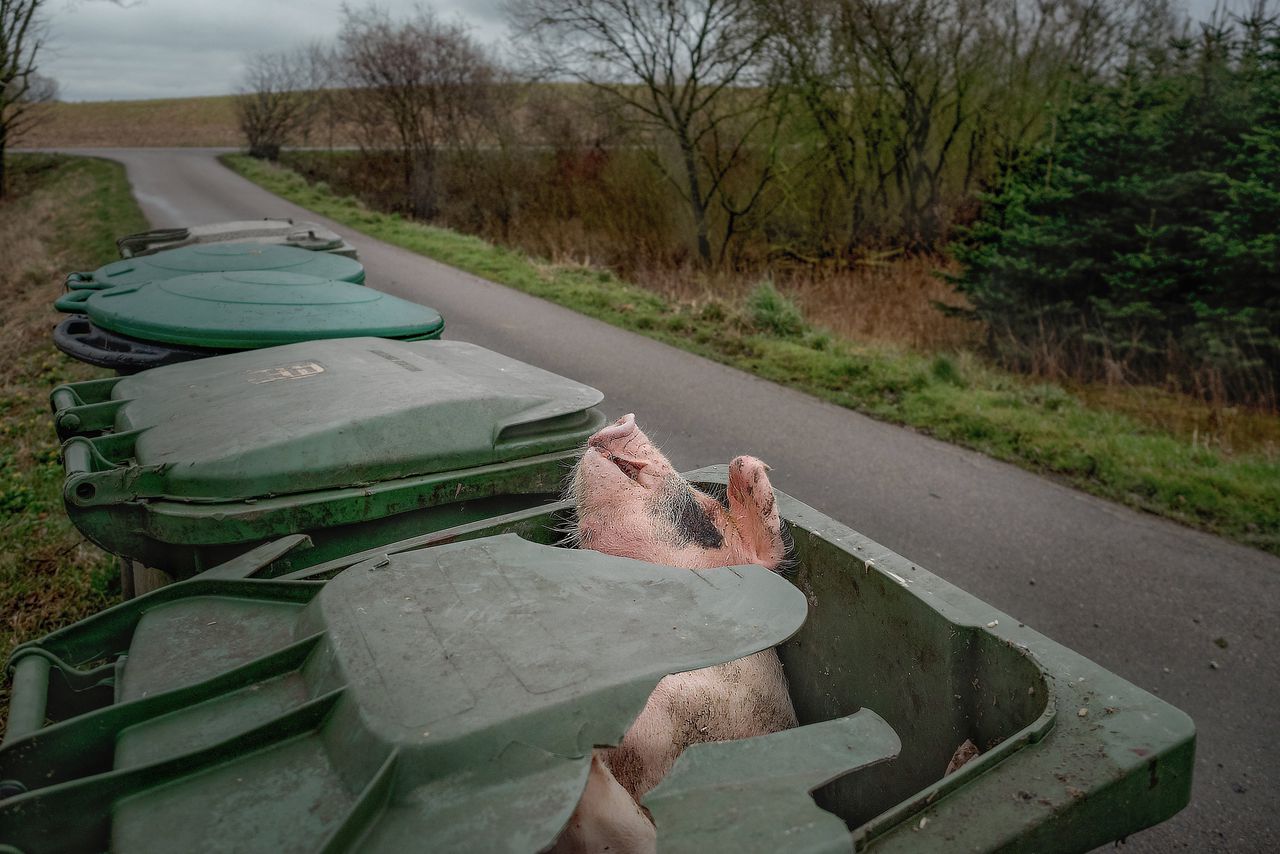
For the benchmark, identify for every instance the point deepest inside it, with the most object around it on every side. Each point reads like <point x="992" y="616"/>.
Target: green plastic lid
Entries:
<point x="220" y="258"/>
<point x="444" y="700"/>
<point x="335" y="413"/>
<point x="251" y="309"/>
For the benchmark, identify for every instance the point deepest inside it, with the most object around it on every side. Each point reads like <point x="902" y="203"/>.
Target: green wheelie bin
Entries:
<point x="133" y="327"/>
<point x="444" y="693"/>
<point x="85" y="336"/>
<point x="354" y="441"/>
<point x="286" y="232"/>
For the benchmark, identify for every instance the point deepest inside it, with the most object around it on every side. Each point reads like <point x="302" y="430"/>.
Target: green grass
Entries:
<point x="62" y="214"/>
<point x="956" y="398"/>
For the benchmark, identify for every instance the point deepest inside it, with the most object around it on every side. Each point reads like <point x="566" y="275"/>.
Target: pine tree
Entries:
<point x="1141" y="241"/>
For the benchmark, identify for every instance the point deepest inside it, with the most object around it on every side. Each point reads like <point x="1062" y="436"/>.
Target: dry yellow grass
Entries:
<point x="171" y="122"/>
<point x="893" y="303"/>
<point x="208" y="122"/>
<point x="1229" y="429"/>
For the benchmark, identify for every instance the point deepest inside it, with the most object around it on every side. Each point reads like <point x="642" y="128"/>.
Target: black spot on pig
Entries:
<point x="690" y="520"/>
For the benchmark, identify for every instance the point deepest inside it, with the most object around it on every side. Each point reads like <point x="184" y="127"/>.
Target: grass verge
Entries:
<point x="62" y="214"/>
<point x="957" y="398"/>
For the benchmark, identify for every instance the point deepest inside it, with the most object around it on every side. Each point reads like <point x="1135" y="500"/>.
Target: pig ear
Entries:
<point x="754" y="512"/>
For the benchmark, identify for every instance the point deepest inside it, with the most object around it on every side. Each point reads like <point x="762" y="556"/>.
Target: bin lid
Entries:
<point x="254" y="308"/>
<point x="302" y="234"/>
<point x="337" y="413"/>
<point x="445" y="699"/>
<point x="220" y="258"/>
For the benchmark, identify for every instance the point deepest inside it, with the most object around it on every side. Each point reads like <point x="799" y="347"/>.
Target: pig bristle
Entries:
<point x="573" y="490"/>
<point x="787" y="565"/>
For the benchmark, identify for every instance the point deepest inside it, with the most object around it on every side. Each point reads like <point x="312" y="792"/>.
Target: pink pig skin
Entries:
<point x="632" y="503"/>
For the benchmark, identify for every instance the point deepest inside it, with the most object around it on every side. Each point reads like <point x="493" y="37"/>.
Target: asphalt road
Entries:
<point x="1148" y="599"/>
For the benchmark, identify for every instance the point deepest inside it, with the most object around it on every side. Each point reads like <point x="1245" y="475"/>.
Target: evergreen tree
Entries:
<point x="1141" y="241"/>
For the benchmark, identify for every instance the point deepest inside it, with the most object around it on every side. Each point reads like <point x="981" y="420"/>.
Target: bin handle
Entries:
<point x="74" y="281"/>
<point x="135" y="244"/>
<point x="29" y="699"/>
<point x="70" y="395"/>
<point x="63" y="398"/>
<point x="73" y="302"/>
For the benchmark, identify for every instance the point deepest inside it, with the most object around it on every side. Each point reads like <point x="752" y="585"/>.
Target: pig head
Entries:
<point x="632" y="503"/>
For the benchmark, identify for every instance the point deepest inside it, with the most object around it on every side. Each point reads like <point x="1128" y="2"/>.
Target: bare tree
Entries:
<point x="1040" y="52"/>
<point x="686" y="71"/>
<point x="281" y="96"/>
<point x="413" y="83"/>
<point x="894" y="90"/>
<point x="917" y="103"/>
<point x="23" y="89"/>
<point x="22" y="37"/>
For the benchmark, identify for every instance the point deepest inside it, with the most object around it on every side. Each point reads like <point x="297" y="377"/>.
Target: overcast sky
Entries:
<point x="174" y="48"/>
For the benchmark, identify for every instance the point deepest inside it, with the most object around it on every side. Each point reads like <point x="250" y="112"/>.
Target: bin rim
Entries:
<point x="302" y="234"/>
<point x="254" y="255"/>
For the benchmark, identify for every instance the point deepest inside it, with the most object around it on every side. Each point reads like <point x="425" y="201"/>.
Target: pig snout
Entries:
<point x="621" y="429"/>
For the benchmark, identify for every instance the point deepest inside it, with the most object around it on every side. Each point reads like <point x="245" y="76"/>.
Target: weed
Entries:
<point x="944" y="370"/>
<point x="713" y="312"/>
<point x="819" y="341"/>
<point x="773" y="313"/>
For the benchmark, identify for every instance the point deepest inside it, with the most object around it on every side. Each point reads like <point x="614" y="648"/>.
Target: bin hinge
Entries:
<point x="94" y="478"/>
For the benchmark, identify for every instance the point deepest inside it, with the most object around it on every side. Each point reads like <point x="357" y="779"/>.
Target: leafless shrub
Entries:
<point x="282" y="96"/>
<point x="22" y="88"/>
<point x="913" y="106"/>
<point x="413" y="85"/>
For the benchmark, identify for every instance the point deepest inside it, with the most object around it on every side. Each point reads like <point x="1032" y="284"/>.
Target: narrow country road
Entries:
<point x="1148" y="599"/>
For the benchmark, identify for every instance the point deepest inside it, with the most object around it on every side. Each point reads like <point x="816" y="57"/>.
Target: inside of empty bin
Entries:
<point x="872" y="640"/>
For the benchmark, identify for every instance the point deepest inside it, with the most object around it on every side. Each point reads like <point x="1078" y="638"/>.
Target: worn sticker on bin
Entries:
<point x="285" y="372"/>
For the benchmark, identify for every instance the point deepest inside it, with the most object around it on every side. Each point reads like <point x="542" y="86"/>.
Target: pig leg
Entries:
<point x="754" y="512"/>
<point x="607" y="819"/>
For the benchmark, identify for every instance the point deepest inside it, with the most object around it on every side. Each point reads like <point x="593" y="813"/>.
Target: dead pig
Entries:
<point x="632" y="503"/>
